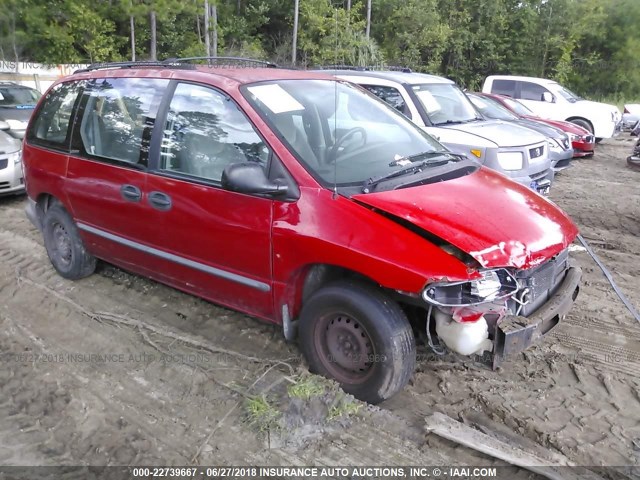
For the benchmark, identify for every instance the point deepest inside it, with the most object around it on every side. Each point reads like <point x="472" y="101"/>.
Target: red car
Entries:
<point x="302" y="200"/>
<point x="582" y="140"/>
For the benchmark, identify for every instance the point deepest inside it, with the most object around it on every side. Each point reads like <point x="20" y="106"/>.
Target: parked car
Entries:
<point x="549" y="99"/>
<point x="438" y="106"/>
<point x="11" y="177"/>
<point x="634" y="159"/>
<point x="16" y="105"/>
<point x="630" y="116"/>
<point x="560" y="149"/>
<point x="239" y="186"/>
<point x="582" y="141"/>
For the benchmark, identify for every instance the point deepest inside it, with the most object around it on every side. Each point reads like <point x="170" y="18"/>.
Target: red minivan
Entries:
<point x="302" y="200"/>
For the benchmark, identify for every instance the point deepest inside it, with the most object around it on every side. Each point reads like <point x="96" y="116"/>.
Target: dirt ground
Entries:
<point x="119" y="370"/>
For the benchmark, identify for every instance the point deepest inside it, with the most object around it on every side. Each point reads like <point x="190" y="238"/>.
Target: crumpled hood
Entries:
<point x="498" y="222"/>
<point x="504" y="134"/>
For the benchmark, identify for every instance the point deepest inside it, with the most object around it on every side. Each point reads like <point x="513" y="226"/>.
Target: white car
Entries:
<point x="549" y="99"/>
<point x="11" y="176"/>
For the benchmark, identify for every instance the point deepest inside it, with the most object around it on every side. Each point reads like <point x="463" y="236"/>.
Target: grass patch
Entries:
<point x="261" y="414"/>
<point x="306" y="387"/>
<point x="345" y="408"/>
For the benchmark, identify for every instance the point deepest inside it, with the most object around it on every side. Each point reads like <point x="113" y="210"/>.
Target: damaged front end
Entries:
<point x="505" y="310"/>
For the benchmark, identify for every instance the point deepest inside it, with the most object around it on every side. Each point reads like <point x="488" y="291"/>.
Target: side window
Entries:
<point x="118" y="115"/>
<point x="390" y="95"/>
<point x="531" y="91"/>
<point x="206" y="131"/>
<point x="504" y="87"/>
<point x="50" y="127"/>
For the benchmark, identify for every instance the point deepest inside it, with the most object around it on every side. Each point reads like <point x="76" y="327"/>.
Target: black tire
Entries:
<point x="64" y="245"/>
<point x="360" y="337"/>
<point x="581" y="122"/>
<point x="598" y="139"/>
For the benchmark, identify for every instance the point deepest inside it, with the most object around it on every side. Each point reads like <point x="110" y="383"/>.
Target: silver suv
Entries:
<point x="17" y="103"/>
<point x="439" y="106"/>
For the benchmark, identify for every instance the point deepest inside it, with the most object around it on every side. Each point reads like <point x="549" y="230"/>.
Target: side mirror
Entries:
<point x="548" y="97"/>
<point x="4" y="125"/>
<point x="249" y="177"/>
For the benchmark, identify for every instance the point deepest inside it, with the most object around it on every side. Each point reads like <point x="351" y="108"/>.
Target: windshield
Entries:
<point x="338" y="131"/>
<point x="18" y="96"/>
<point x="517" y="107"/>
<point x="566" y="93"/>
<point x="491" y="109"/>
<point x="445" y="103"/>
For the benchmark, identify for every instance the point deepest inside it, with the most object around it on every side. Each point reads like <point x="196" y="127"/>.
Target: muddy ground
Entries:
<point x="119" y="370"/>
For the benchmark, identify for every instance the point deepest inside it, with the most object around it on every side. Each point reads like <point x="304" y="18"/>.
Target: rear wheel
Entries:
<point x="64" y="245"/>
<point x="357" y="335"/>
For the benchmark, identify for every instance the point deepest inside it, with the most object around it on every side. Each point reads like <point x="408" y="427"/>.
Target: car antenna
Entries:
<point x="335" y="115"/>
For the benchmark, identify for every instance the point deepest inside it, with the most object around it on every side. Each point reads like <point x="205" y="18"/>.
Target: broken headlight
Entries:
<point x="494" y="284"/>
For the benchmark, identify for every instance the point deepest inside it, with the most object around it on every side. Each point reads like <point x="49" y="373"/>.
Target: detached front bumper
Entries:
<point x="514" y="333"/>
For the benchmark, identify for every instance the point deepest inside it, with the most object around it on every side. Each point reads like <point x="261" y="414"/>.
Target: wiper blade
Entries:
<point x="448" y="122"/>
<point x="457" y="122"/>
<point x="436" y="156"/>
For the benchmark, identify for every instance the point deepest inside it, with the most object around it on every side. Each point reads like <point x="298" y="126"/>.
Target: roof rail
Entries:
<point x="224" y="61"/>
<point x="107" y="65"/>
<point x="400" y="69"/>
<point x="368" y="68"/>
<point x="344" y="67"/>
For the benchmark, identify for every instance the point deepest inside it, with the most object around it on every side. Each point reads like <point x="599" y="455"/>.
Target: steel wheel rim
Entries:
<point x="62" y="245"/>
<point x="345" y="347"/>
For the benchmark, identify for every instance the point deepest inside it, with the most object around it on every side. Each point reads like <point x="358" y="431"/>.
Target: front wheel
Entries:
<point x="581" y="122"/>
<point x="360" y="337"/>
<point x="64" y="245"/>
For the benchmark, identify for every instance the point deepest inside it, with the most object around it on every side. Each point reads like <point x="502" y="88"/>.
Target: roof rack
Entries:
<point x="107" y="65"/>
<point x="368" y="68"/>
<point x="186" y="63"/>
<point x="224" y="61"/>
<point x="344" y="67"/>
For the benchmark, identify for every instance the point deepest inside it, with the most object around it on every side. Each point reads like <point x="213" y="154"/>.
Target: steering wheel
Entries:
<point x="333" y="153"/>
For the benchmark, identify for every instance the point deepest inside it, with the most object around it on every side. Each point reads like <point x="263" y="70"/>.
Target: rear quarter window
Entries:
<point x="504" y="87"/>
<point x="52" y="121"/>
<point x="116" y="117"/>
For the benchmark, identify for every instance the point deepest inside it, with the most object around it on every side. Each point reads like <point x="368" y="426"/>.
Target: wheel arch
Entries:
<point x="577" y="117"/>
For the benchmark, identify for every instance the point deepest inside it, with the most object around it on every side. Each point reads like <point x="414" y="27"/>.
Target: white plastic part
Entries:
<point x="465" y="338"/>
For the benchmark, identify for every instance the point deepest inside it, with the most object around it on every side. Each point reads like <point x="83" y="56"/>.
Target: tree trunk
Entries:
<point x="133" y="38"/>
<point x="214" y="20"/>
<point x="13" y="38"/>
<point x="368" y="18"/>
<point x="294" y="46"/>
<point x="154" y="43"/>
<point x="207" y="38"/>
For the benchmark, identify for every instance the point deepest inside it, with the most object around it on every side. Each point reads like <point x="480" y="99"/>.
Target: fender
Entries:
<point x="337" y="231"/>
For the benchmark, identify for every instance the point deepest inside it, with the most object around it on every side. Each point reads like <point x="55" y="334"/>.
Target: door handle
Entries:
<point x="131" y="193"/>
<point x="160" y="201"/>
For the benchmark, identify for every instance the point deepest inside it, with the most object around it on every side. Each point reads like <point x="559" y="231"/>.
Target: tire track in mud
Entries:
<point x="142" y="413"/>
